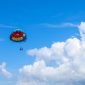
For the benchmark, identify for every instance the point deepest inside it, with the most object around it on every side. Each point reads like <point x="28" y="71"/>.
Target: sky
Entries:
<point x="54" y="47"/>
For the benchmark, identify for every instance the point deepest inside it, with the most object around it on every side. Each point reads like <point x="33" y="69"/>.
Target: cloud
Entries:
<point x="63" y="25"/>
<point x="40" y="74"/>
<point x="63" y="63"/>
<point x="4" y="72"/>
<point x="82" y="30"/>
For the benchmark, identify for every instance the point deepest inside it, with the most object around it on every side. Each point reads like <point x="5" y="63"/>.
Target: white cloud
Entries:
<point x="4" y="72"/>
<point x="82" y="30"/>
<point x="61" y="64"/>
<point x="62" y="25"/>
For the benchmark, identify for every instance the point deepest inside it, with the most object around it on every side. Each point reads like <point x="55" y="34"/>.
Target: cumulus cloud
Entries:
<point x="63" y="63"/>
<point x="3" y="71"/>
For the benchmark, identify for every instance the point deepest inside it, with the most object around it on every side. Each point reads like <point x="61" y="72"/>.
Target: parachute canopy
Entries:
<point x="18" y="36"/>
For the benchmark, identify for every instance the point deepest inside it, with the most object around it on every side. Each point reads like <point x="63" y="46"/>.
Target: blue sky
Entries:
<point x="44" y="21"/>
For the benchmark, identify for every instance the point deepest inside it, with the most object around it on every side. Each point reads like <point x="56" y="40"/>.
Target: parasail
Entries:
<point x="18" y="36"/>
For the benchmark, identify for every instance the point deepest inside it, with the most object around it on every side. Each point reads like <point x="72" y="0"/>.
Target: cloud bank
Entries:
<point x="63" y="63"/>
<point x="4" y="72"/>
